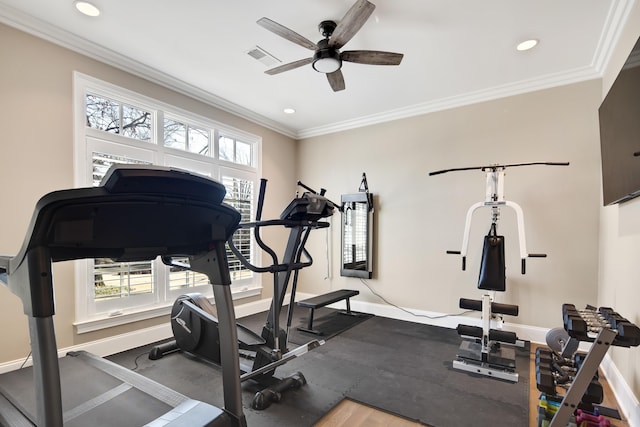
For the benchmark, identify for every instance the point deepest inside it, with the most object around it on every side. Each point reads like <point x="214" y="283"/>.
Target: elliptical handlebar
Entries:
<point x="290" y="212"/>
<point x="267" y="249"/>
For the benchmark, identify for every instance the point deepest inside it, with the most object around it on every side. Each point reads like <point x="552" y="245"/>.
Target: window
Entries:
<point x="110" y="116"/>
<point x="117" y="126"/>
<point x="235" y="151"/>
<point x="240" y="195"/>
<point x="186" y="137"/>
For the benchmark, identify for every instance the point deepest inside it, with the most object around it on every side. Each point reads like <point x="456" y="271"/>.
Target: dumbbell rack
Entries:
<point x="603" y="327"/>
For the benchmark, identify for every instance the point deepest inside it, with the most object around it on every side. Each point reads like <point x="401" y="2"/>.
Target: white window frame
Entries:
<point x="92" y="315"/>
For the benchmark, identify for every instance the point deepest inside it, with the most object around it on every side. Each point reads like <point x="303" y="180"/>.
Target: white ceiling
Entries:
<point x="455" y="51"/>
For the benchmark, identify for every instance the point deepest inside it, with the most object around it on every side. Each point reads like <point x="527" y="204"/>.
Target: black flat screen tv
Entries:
<point x="619" y="116"/>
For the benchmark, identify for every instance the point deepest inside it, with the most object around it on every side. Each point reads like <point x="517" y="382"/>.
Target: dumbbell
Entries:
<point x="545" y="382"/>
<point x="594" y="393"/>
<point x="574" y="324"/>
<point x="628" y="333"/>
<point x="591" y="420"/>
<point x="543" y="354"/>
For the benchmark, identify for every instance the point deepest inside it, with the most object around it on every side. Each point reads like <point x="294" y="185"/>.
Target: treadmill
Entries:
<point x="137" y="213"/>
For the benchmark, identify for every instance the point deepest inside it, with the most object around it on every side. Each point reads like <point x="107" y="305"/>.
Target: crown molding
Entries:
<point x="614" y="24"/>
<point x="21" y="21"/>
<point x="518" y="88"/>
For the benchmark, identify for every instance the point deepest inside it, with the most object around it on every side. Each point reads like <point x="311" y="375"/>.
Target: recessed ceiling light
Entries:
<point x="87" y="8"/>
<point x="289" y="111"/>
<point x="527" y="44"/>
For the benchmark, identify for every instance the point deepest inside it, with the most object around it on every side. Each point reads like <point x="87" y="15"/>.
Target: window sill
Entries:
<point x="138" y="314"/>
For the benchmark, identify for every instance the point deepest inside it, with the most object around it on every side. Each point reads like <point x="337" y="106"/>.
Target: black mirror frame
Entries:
<point x="352" y="204"/>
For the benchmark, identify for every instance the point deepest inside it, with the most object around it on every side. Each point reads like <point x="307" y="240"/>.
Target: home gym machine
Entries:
<point x="481" y="350"/>
<point x="561" y="366"/>
<point x="137" y="213"/>
<point x="193" y="319"/>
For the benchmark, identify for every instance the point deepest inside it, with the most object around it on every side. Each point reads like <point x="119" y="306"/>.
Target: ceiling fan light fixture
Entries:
<point x="327" y="65"/>
<point x="87" y="8"/>
<point x="526" y="45"/>
<point x="326" y="59"/>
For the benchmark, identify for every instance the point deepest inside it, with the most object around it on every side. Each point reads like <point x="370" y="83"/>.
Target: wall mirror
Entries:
<point x="357" y="234"/>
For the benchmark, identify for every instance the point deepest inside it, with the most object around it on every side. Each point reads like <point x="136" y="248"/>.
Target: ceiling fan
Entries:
<point x="327" y="57"/>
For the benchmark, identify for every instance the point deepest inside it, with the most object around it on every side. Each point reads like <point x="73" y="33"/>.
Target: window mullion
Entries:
<point x="158" y="138"/>
<point x="162" y="282"/>
<point x="215" y="144"/>
<point x="120" y="119"/>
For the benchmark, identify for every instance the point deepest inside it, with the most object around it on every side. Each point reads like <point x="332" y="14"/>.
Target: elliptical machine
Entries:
<point x="193" y="319"/>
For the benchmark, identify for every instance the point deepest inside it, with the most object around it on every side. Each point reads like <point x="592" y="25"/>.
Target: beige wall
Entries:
<point x="619" y="270"/>
<point x="37" y="157"/>
<point x="420" y="217"/>
<point x="592" y="251"/>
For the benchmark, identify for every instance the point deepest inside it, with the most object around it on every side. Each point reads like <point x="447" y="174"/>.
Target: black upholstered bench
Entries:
<point x="322" y="301"/>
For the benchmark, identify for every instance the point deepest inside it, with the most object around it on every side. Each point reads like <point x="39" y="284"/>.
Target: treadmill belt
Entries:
<point x="94" y="392"/>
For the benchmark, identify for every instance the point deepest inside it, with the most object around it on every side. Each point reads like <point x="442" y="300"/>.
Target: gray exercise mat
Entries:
<point x="400" y="367"/>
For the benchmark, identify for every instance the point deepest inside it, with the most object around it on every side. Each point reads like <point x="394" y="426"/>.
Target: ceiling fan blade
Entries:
<point x="351" y="23"/>
<point x="336" y="80"/>
<point x="372" y="57"/>
<point x="289" y="66"/>
<point x="286" y="33"/>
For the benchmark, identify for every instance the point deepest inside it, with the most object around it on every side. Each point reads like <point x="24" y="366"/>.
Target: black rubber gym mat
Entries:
<point x="399" y="367"/>
<point x="330" y="322"/>
<point x="413" y="376"/>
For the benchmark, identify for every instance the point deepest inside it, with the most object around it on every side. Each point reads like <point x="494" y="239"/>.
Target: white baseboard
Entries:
<point x="627" y="401"/>
<point x="104" y="347"/>
<point x="138" y="338"/>
<point x="524" y="332"/>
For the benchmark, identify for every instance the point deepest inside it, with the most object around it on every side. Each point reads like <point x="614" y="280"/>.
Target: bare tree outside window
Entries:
<point x="198" y="140"/>
<point x="113" y="117"/>
<point x="175" y="134"/>
<point x="235" y="151"/>
<point x="226" y="149"/>
<point x="186" y="137"/>
<point x="136" y="123"/>
<point x="103" y="114"/>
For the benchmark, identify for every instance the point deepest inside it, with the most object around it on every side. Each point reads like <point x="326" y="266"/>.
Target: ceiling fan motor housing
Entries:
<point x="326" y="28"/>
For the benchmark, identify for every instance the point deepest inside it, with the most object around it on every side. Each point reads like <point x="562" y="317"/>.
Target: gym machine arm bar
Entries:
<point x="495" y="167"/>
<point x="494" y="198"/>
<point x="521" y="233"/>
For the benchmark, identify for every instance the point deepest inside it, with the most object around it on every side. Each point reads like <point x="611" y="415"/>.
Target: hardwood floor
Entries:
<point x="353" y="414"/>
<point x="349" y="413"/>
